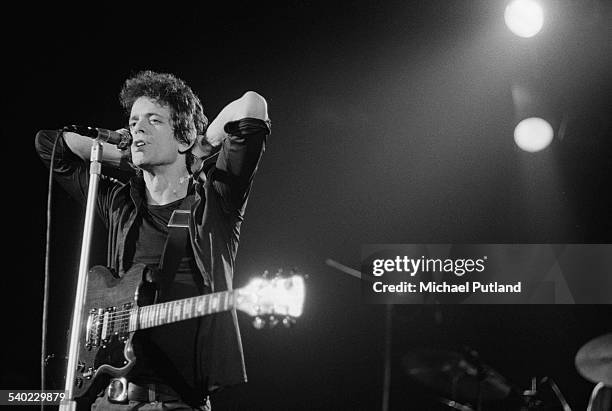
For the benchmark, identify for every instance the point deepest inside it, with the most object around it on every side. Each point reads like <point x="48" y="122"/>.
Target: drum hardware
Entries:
<point x="455" y="405"/>
<point x="459" y="378"/>
<point x="465" y="383"/>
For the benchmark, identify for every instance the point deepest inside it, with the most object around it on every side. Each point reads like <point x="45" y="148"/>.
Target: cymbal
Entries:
<point x="594" y="360"/>
<point x="455" y="376"/>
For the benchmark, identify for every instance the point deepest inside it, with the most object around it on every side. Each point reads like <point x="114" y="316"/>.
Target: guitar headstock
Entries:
<point x="272" y="297"/>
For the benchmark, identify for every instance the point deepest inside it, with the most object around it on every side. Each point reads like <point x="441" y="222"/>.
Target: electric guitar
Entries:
<point x="115" y="308"/>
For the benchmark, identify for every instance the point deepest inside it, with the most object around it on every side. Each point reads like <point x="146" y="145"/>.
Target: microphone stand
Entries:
<point x="68" y="403"/>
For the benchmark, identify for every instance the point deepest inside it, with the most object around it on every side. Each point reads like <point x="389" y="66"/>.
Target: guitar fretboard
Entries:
<point x="179" y="310"/>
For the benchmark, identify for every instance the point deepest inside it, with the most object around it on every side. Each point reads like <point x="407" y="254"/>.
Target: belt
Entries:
<point x="121" y="391"/>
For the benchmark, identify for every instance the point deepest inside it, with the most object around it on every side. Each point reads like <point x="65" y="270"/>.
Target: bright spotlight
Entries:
<point x="533" y="134"/>
<point x="524" y="17"/>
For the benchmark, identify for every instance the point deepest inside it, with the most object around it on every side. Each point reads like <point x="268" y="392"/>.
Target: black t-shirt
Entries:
<point x="166" y="353"/>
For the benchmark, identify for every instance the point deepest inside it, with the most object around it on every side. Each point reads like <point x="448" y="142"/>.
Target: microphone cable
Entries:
<point x="43" y="353"/>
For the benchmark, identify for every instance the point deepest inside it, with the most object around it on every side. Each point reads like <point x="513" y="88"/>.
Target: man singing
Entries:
<point x="179" y="162"/>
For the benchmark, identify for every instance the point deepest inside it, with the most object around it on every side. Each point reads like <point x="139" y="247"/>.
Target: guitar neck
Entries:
<point x="179" y="310"/>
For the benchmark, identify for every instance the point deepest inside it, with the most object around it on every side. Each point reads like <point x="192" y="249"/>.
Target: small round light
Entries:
<point x="533" y="134"/>
<point x="524" y="18"/>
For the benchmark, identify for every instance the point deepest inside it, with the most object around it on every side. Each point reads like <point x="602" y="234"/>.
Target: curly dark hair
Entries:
<point x="166" y="89"/>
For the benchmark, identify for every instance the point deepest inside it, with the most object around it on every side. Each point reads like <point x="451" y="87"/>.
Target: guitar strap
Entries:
<point x="176" y="242"/>
<point x="174" y="248"/>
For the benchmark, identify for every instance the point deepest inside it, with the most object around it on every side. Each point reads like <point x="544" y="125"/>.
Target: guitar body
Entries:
<point x="115" y="308"/>
<point x="105" y="348"/>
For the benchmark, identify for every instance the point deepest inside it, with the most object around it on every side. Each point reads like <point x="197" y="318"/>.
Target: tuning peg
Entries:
<point x="259" y="323"/>
<point x="272" y="321"/>
<point x="279" y="273"/>
<point x="288" y="321"/>
<point x="266" y="274"/>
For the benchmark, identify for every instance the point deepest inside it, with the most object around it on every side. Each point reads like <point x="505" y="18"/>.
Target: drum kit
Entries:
<point x="462" y="381"/>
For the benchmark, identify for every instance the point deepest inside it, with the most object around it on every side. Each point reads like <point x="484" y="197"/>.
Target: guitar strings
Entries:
<point x="122" y="317"/>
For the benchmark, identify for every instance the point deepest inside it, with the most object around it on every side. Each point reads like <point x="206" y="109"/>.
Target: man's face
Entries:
<point x="153" y="135"/>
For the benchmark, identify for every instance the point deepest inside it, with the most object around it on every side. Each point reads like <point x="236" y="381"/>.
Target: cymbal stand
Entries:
<point x="530" y="397"/>
<point x="557" y="392"/>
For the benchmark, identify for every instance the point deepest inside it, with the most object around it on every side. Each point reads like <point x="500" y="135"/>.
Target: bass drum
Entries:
<point x="601" y="398"/>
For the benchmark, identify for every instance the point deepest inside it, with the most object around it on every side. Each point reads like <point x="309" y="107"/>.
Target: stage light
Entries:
<point x="533" y="134"/>
<point x="524" y="17"/>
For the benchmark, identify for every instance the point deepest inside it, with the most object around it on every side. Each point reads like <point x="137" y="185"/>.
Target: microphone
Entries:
<point x="122" y="138"/>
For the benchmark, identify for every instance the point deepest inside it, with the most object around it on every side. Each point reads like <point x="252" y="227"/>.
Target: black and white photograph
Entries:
<point x="308" y="205"/>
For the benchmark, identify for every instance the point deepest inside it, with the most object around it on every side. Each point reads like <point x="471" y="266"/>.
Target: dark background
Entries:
<point x="392" y="123"/>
